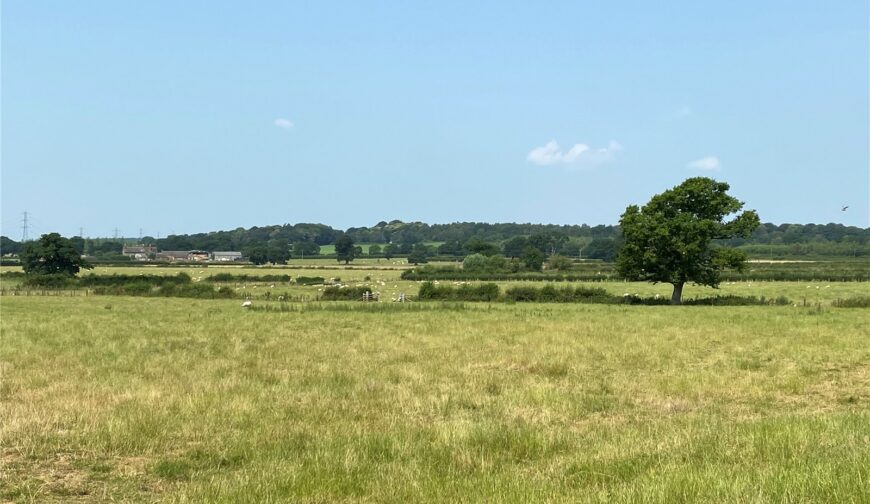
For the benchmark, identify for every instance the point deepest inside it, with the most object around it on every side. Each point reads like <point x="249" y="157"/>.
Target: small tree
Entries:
<point x="278" y="252"/>
<point x="344" y="249"/>
<point x="305" y="249"/>
<point x="670" y="239"/>
<point x="496" y="262"/>
<point x="475" y="263"/>
<point x="478" y="246"/>
<point x="532" y="258"/>
<point x="391" y="250"/>
<point x="374" y="250"/>
<point x="52" y="254"/>
<point x="257" y="254"/>
<point x="515" y="246"/>
<point x="419" y="255"/>
<point x="559" y="262"/>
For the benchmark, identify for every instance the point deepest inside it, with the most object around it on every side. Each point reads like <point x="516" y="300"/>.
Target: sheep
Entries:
<point x="247" y="304"/>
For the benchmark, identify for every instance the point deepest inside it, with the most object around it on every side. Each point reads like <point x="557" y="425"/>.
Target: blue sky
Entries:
<point x="193" y="116"/>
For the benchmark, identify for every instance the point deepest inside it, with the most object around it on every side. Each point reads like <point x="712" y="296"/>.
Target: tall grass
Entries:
<point x="154" y="399"/>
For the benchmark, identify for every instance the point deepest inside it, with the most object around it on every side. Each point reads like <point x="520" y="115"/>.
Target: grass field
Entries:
<point x="173" y="400"/>
<point x="385" y="278"/>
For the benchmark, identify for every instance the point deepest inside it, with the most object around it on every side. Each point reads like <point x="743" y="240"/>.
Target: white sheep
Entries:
<point x="247" y="304"/>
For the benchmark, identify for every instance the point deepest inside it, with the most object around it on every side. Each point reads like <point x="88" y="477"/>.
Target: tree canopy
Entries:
<point x="344" y="249"/>
<point x="274" y="252"/>
<point x="670" y="239"/>
<point x="52" y="254"/>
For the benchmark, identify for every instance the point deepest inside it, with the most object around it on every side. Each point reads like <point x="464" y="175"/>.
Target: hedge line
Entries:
<point x="230" y="277"/>
<point x="197" y="290"/>
<point x="345" y="293"/>
<point x="92" y="280"/>
<point x="550" y="294"/>
<point x="859" y="273"/>
<point x="459" y="275"/>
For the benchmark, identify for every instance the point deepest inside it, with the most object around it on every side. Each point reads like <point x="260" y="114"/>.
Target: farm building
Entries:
<point x="198" y="255"/>
<point x="138" y="252"/>
<point x="226" y="256"/>
<point x="173" y="255"/>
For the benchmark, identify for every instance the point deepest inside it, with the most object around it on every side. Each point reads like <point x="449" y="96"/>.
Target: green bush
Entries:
<point x="196" y="290"/>
<point x="483" y="292"/>
<point x="302" y="280"/>
<point x="226" y="292"/>
<point x="737" y="301"/>
<point x="229" y="277"/>
<point x="559" y="262"/>
<point x="92" y="280"/>
<point x="169" y="289"/>
<point x="522" y="294"/>
<point x="568" y="294"/>
<point x="137" y="288"/>
<point x="858" y="302"/>
<point x="53" y="281"/>
<point x="345" y="293"/>
<point x="475" y="263"/>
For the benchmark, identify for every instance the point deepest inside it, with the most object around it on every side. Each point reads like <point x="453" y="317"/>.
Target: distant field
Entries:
<point x="143" y="400"/>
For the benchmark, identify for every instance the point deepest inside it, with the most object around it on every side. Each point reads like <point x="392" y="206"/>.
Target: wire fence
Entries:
<point x="46" y="292"/>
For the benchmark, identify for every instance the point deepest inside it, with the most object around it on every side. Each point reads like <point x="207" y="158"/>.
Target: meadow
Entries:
<point x="385" y="277"/>
<point x="191" y="401"/>
<point x="107" y="398"/>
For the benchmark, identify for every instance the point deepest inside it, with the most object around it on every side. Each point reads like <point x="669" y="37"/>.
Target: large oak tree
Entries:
<point x="670" y="239"/>
<point x="52" y="254"/>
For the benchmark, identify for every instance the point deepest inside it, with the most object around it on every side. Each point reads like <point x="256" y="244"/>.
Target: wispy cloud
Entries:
<point x="578" y="154"/>
<point x="283" y="123"/>
<point x="709" y="163"/>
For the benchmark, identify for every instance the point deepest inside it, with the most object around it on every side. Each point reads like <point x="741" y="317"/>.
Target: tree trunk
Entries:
<point x="677" y="296"/>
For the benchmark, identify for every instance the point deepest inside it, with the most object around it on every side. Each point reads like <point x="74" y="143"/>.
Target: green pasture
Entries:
<point x="176" y="400"/>
<point x="385" y="278"/>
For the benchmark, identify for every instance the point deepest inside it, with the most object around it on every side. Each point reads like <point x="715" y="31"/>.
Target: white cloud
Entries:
<point x="283" y="123"/>
<point x="709" y="163"/>
<point x="552" y="154"/>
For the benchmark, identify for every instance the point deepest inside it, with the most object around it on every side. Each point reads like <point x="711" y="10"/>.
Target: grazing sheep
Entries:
<point x="247" y="304"/>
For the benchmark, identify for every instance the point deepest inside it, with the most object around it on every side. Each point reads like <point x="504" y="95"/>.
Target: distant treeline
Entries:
<point x="463" y="238"/>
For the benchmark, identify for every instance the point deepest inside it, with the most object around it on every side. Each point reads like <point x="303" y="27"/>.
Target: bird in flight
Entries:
<point x="844" y="208"/>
